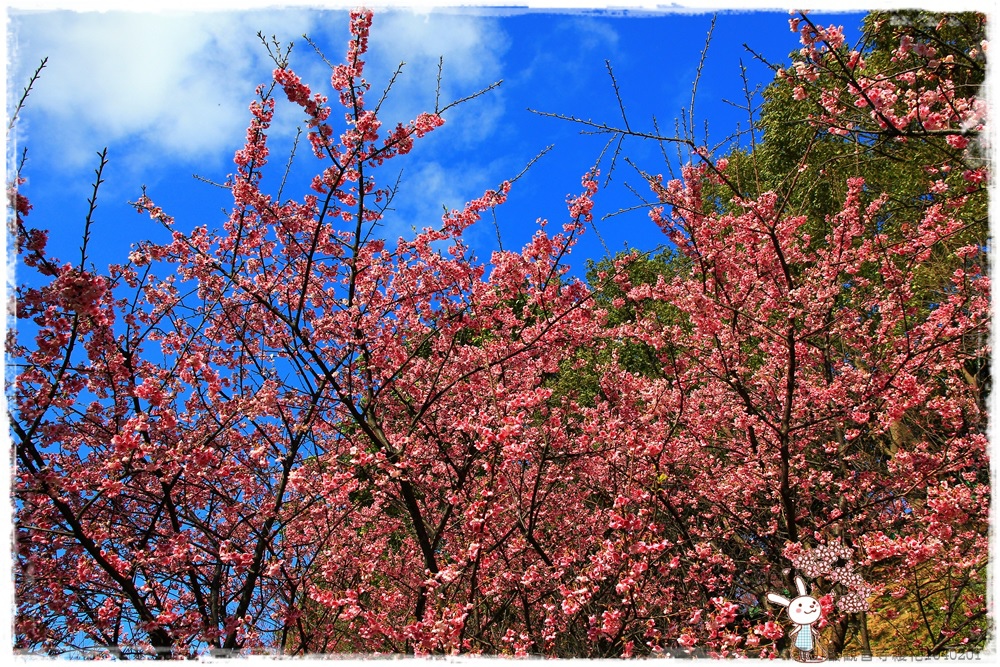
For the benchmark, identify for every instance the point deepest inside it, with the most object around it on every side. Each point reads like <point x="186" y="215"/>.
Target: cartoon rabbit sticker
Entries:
<point x="803" y="611"/>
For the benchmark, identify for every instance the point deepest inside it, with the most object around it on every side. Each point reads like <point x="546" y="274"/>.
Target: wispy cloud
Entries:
<point x="177" y="85"/>
<point x="472" y="49"/>
<point x="583" y="42"/>
<point x="427" y="190"/>
<point x="448" y="167"/>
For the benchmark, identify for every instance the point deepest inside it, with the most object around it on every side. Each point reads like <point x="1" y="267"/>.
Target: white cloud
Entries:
<point x="171" y="90"/>
<point x="178" y="84"/>
<point x="438" y="173"/>
<point x="591" y="34"/>
<point x="584" y="43"/>
<point x="470" y="44"/>
<point x="427" y="189"/>
<point x="472" y="47"/>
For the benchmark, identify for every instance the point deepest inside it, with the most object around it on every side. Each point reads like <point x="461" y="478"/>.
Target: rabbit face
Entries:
<point x="804" y="610"/>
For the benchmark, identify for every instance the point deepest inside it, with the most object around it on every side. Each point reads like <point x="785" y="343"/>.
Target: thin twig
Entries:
<point x="318" y="51"/>
<point x="279" y="59"/>
<point x="663" y="150"/>
<point x="496" y="226"/>
<point x="437" y="88"/>
<point x="618" y="95"/>
<point x="24" y="95"/>
<point x="528" y="166"/>
<point x="388" y="87"/>
<point x="288" y="165"/>
<point x="531" y="162"/>
<point x="24" y="158"/>
<point x="750" y="115"/>
<point x="604" y="128"/>
<point x="92" y="202"/>
<point x="203" y="179"/>
<point x="614" y="157"/>
<point x="482" y="91"/>
<point x="697" y="76"/>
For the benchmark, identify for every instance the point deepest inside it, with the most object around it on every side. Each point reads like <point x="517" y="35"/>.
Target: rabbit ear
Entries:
<point x="800" y="584"/>
<point x="778" y="599"/>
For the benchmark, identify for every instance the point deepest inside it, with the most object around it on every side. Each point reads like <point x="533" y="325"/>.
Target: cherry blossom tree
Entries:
<point x="295" y="415"/>
<point x="831" y="356"/>
<point x="291" y="434"/>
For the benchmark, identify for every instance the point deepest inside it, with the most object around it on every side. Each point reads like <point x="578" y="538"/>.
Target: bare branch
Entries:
<point x="25" y="93"/>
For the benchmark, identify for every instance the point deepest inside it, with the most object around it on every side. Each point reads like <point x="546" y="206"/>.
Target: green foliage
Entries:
<point x="636" y="356"/>
<point x="809" y="166"/>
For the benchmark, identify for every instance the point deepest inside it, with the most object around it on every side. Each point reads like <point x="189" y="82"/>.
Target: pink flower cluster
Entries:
<point x="918" y="100"/>
<point x="81" y="292"/>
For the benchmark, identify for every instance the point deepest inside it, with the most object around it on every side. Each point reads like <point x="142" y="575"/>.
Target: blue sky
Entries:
<point x="168" y="95"/>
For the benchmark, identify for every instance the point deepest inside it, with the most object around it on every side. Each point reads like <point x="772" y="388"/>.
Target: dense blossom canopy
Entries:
<point x="291" y="434"/>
